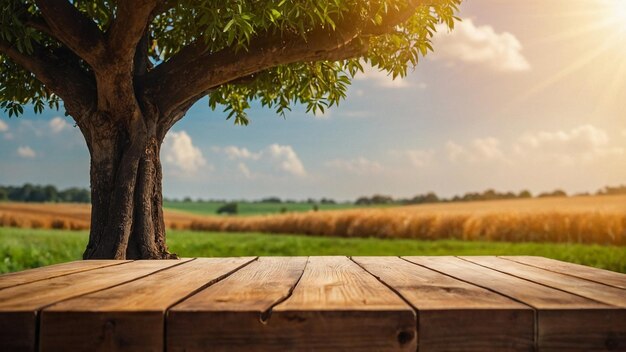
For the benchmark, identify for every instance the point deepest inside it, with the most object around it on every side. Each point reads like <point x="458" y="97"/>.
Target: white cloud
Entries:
<point x="583" y="143"/>
<point x="381" y="78"/>
<point x="179" y="151"/>
<point x="479" y="150"/>
<point x="480" y="45"/>
<point x="278" y="157"/>
<point x="58" y="124"/>
<point x="286" y="158"/>
<point x="455" y="152"/>
<point x="233" y="152"/>
<point x="416" y="157"/>
<point x="26" y="152"/>
<point x="360" y="165"/>
<point x="245" y="171"/>
<point x="3" y="126"/>
<point x="487" y="148"/>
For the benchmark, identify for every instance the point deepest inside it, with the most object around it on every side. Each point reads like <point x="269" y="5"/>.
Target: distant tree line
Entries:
<point x="489" y="194"/>
<point x="48" y="193"/>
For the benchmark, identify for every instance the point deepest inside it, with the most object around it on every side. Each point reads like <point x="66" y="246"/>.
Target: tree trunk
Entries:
<point x="126" y="214"/>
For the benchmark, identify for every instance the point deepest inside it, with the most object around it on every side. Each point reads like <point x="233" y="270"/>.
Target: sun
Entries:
<point x="618" y="12"/>
<point x="619" y="7"/>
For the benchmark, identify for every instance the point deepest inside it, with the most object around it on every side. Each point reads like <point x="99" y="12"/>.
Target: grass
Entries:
<point x="247" y="208"/>
<point x="28" y="248"/>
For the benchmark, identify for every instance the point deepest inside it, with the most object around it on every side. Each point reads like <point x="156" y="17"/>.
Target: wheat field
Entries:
<point x="592" y="219"/>
<point x="70" y="216"/>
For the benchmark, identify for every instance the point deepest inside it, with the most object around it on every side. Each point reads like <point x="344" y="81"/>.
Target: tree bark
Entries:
<point x="126" y="191"/>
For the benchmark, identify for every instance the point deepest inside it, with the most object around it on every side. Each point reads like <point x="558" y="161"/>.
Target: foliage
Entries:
<point x="238" y="25"/>
<point x="608" y="190"/>
<point x="228" y="208"/>
<point x="47" y="193"/>
<point x="25" y="248"/>
<point x="248" y="207"/>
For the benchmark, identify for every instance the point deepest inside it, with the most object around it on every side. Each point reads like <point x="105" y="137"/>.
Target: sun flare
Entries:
<point x="618" y="13"/>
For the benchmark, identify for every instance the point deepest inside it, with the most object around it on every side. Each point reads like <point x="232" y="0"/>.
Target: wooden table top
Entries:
<point x="314" y="303"/>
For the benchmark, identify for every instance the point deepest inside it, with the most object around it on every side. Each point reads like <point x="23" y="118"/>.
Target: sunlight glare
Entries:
<point x="618" y="10"/>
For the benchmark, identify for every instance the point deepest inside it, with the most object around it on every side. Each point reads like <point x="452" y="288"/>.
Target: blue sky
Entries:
<point x="522" y="95"/>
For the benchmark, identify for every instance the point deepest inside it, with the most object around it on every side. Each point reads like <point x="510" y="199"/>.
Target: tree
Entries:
<point x="228" y="208"/>
<point x="127" y="71"/>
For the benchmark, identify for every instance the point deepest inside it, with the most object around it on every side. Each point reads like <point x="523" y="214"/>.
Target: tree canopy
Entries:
<point x="276" y="52"/>
<point x="127" y="71"/>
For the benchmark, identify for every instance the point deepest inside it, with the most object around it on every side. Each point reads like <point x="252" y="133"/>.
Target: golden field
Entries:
<point x="592" y="219"/>
<point x="69" y="216"/>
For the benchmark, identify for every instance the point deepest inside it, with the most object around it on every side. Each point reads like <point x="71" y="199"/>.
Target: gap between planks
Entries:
<point x="538" y="282"/>
<point x="42" y="270"/>
<point x="55" y="320"/>
<point x="38" y="311"/>
<point x="588" y="277"/>
<point x="535" y="315"/>
<point x="565" y="321"/>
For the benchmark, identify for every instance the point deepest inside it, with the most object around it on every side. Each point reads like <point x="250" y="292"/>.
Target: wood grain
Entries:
<point x="336" y="305"/>
<point x="51" y="271"/>
<point x="448" y="309"/>
<point x="565" y="322"/>
<point x="129" y="317"/>
<point x="19" y="305"/>
<point x="230" y="314"/>
<point x="595" y="291"/>
<point x="584" y="272"/>
<point x="315" y="303"/>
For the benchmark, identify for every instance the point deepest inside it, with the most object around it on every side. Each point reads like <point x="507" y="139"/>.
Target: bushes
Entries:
<point x="228" y="208"/>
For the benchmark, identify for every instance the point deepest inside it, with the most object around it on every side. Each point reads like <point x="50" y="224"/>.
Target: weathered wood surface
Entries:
<point x="592" y="274"/>
<point x="48" y="272"/>
<point x="128" y="313"/>
<point x="449" y="309"/>
<point x="20" y="305"/>
<point x="314" y="303"/>
<point x="564" y="321"/>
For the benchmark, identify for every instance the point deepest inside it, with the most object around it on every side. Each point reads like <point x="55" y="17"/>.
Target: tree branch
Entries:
<point x="73" y="29"/>
<point x="194" y="70"/>
<point x="67" y="81"/>
<point x="187" y="75"/>
<point x="129" y="26"/>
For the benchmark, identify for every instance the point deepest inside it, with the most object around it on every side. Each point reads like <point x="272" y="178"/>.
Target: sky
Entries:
<point x="521" y="95"/>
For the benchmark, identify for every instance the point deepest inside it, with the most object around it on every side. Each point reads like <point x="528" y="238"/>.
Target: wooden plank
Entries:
<point x="48" y="272"/>
<point x="19" y="305"/>
<point x="336" y="305"/>
<point x="226" y="314"/>
<point x="132" y="314"/>
<point x="598" y="292"/>
<point x="565" y="322"/>
<point x="606" y="277"/>
<point x="449" y="309"/>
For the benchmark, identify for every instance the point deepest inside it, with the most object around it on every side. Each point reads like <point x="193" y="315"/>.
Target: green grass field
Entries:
<point x="27" y="248"/>
<point x="247" y="208"/>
